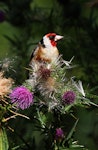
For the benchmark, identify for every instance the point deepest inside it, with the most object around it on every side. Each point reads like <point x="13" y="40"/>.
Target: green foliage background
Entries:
<point x="25" y="23"/>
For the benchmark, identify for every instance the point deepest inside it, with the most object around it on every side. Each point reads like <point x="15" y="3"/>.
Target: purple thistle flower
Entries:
<point x="44" y="72"/>
<point x="22" y="97"/>
<point x="68" y="97"/>
<point x="59" y="135"/>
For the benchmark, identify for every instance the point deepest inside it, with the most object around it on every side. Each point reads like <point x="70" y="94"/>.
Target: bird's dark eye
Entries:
<point x="51" y="37"/>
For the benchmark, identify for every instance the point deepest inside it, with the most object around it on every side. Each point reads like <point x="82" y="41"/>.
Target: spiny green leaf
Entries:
<point x="3" y="140"/>
<point x="72" y="130"/>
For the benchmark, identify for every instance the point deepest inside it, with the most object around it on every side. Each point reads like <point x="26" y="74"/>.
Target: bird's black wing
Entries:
<point x="41" y="43"/>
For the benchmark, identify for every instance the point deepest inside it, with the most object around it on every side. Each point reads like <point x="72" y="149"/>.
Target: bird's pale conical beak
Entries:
<point x="58" y="37"/>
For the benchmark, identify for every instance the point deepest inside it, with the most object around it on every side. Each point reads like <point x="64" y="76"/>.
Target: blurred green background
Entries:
<point x="23" y="23"/>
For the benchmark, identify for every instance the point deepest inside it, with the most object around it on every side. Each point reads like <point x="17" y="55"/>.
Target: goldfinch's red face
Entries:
<point x="52" y="38"/>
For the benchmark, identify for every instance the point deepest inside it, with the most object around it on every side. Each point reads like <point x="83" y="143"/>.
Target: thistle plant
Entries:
<point x="56" y="97"/>
<point x="52" y="95"/>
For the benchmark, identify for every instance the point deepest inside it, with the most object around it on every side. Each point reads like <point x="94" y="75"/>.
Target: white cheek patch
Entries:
<point x="49" y="51"/>
<point x="47" y="42"/>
